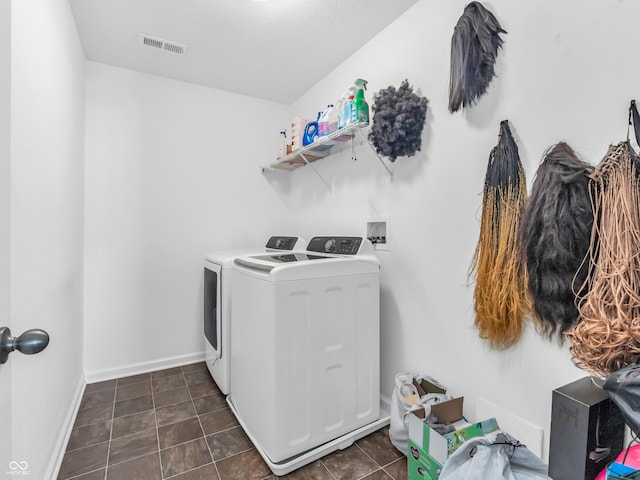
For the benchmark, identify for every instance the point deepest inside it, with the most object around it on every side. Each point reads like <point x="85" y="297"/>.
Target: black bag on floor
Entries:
<point x="623" y="387"/>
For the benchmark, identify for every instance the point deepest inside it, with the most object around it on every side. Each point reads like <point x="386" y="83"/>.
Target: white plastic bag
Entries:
<point x="400" y="408"/>
<point x="496" y="456"/>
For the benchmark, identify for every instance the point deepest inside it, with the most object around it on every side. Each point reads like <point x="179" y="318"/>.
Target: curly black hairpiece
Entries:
<point x="554" y="239"/>
<point x="474" y="49"/>
<point x="398" y="119"/>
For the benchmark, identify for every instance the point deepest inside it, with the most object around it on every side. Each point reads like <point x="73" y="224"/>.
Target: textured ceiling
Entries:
<point x="272" y="49"/>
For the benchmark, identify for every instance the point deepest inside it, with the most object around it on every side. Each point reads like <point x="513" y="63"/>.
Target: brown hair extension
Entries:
<point x="500" y="300"/>
<point x="607" y="337"/>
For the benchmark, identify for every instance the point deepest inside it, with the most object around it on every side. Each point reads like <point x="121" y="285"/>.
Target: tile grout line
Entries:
<point x="155" y="421"/>
<point x="328" y="469"/>
<point x="390" y="463"/>
<point x="205" y="439"/>
<point x="86" y="446"/>
<point x="382" y="467"/>
<point x="372" y="459"/>
<point x="204" y="436"/>
<point x="188" y="471"/>
<point x="93" y="422"/>
<point x="75" y="477"/>
<point x="237" y="453"/>
<point x="113" y="413"/>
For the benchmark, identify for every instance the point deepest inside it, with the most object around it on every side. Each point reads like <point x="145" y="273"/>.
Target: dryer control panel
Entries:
<point x="282" y="243"/>
<point x="337" y="245"/>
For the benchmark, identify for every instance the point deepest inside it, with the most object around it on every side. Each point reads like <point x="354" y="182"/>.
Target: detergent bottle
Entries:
<point x="323" y="122"/>
<point x="311" y="131"/>
<point x="333" y="116"/>
<point x="361" y="110"/>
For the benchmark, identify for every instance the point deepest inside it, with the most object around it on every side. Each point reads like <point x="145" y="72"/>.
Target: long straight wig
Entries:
<point x="474" y="49"/>
<point x="607" y="336"/>
<point x="500" y="300"/>
<point x="555" y="235"/>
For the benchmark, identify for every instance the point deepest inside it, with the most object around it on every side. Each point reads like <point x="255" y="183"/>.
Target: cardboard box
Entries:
<point x="428" y="450"/>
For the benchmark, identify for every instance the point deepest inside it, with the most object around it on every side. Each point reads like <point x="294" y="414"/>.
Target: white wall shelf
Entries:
<point x="323" y="147"/>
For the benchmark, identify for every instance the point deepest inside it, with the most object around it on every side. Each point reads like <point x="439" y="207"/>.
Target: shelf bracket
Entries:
<point x="366" y="140"/>
<point x="316" y="171"/>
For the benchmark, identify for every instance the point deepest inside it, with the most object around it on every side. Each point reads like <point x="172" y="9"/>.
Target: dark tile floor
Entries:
<point x="176" y="424"/>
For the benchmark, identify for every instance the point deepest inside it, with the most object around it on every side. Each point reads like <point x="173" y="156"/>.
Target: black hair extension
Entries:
<point x="554" y="239"/>
<point x="474" y="49"/>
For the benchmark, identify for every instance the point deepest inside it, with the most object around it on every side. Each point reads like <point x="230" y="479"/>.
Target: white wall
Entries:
<point x="564" y="74"/>
<point x="172" y="173"/>
<point x="47" y="141"/>
<point x="5" y="215"/>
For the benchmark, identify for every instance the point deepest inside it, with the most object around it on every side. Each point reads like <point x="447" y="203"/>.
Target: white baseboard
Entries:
<point x="385" y="403"/>
<point x="529" y="434"/>
<point x="144" y="367"/>
<point x="65" y="432"/>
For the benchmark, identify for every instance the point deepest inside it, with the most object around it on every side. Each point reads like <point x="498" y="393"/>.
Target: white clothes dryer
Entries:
<point x="217" y="303"/>
<point x="305" y="363"/>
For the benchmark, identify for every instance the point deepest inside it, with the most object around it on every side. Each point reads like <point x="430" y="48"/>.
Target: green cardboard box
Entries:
<point x="428" y="450"/>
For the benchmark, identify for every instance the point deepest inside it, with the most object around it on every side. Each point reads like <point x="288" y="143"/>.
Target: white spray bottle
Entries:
<point x="347" y="107"/>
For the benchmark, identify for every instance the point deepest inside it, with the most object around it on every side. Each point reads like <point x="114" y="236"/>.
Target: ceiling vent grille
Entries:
<point x="161" y="44"/>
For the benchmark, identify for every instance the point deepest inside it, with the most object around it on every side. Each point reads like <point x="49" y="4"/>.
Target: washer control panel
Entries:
<point x="282" y="243"/>
<point x="337" y="245"/>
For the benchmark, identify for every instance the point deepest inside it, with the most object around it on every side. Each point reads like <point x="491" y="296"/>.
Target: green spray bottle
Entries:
<point x="361" y="105"/>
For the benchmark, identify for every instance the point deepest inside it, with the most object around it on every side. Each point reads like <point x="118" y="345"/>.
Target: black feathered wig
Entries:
<point x="474" y="49"/>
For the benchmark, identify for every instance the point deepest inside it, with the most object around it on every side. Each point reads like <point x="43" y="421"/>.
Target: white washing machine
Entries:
<point x="217" y="304"/>
<point x="305" y="363"/>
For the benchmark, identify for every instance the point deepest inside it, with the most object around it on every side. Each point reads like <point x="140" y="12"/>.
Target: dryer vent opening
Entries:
<point x="161" y="44"/>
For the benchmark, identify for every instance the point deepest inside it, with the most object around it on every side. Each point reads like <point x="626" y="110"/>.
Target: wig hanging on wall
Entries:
<point x="554" y="239"/>
<point x="398" y="119"/>
<point x="474" y="49"/>
<point x="500" y="299"/>
<point x="607" y="336"/>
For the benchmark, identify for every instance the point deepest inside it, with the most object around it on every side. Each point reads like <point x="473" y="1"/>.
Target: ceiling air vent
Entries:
<point x="161" y="44"/>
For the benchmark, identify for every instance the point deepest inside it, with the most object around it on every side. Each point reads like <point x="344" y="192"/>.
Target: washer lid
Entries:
<point x="226" y="257"/>
<point x="301" y="266"/>
<point x="269" y="262"/>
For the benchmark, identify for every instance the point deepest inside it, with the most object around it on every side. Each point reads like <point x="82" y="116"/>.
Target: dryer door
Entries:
<point x="212" y="287"/>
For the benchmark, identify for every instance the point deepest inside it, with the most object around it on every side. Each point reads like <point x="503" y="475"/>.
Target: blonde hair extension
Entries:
<point x="500" y="296"/>
<point x="607" y="336"/>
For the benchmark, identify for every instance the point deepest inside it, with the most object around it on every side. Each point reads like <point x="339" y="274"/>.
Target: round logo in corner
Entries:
<point x="18" y="468"/>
